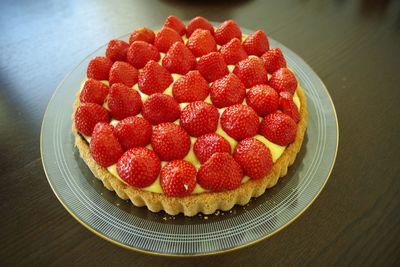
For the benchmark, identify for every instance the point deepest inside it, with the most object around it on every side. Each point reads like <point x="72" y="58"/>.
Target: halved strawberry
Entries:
<point x="123" y="72"/>
<point x="199" y="23"/>
<point x="179" y="59"/>
<point x="201" y="42"/>
<point x="256" y="44"/>
<point x="178" y="178"/>
<point x="133" y="132"/>
<point x="104" y="146"/>
<point x="98" y="68"/>
<point x="154" y="78"/>
<point x="116" y="50"/>
<point x="88" y="115"/>
<point x="123" y="101"/>
<point x="166" y="38"/>
<point x="278" y="128"/>
<point x="283" y="80"/>
<point x="251" y="71"/>
<point x="175" y="23"/>
<point x="140" y="52"/>
<point x="160" y="108"/>
<point x="142" y="34"/>
<point x="273" y="60"/>
<point x="199" y="118"/>
<point x="227" y="31"/>
<point x="240" y="121"/>
<point x="263" y="99"/>
<point x="288" y="107"/>
<point x="208" y="144"/>
<point x="233" y="51"/>
<point x="227" y="91"/>
<point x="212" y="66"/>
<point x="191" y="87"/>
<point x="93" y="91"/>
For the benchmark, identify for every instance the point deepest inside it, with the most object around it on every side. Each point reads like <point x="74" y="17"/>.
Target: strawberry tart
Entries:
<point x="190" y="118"/>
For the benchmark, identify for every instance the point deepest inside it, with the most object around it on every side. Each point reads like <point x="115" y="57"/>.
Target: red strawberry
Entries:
<point x="175" y="23"/>
<point x="170" y="141"/>
<point x="283" y="80"/>
<point x="191" y="87"/>
<point x="227" y="31"/>
<point x="251" y="71"/>
<point x="154" y="78"/>
<point x="165" y="38"/>
<point x="160" y="108"/>
<point x="199" y="23"/>
<point x="212" y="66"/>
<point x="219" y="173"/>
<point x="273" y="60"/>
<point x="227" y="91"/>
<point x="208" y="144"/>
<point x="142" y="34"/>
<point x="139" y="167"/>
<point x="254" y="157"/>
<point x="178" y="178"/>
<point x="104" y="146"/>
<point x="256" y="44"/>
<point x="94" y="91"/>
<point x="201" y="42"/>
<point x="116" y="50"/>
<point x="122" y="72"/>
<point x="233" y="51"/>
<point x="278" y="128"/>
<point x="88" y="115"/>
<point x="140" y="52"/>
<point x="263" y="99"/>
<point x="240" y="121"/>
<point x="98" y="68"/>
<point x="199" y="118"/>
<point x="288" y="107"/>
<point x="123" y="101"/>
<point x="179" y="59"/>
<point x="133" y="132"/>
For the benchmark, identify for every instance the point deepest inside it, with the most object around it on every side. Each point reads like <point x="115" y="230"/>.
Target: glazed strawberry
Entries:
<point x="220" y="173"/>
<point x="133" y="132"/>
<point x="287" y="106"/>
<point x="170" y="141"/>
<point x="179" y="59"/>
<point x="88" y="115"/>
<point x="208" y="144"/>
<point x="93" y="91"/>
<point x="283" y="80"/>
<point x="116" y="50"/>
<point x="104" y="146"/>
<point x="191" y="87"/>
<point x="166" y="38"/>
<point x="278" y="128"/>
<point x="254" y="157"/>
<point x="273" y="60"/>
<point x="178" y="178"/>
<point x="251" y="71"/>
<point x="142" y="34"/>
<point x="139" y="167"/>
<point x="201" y="42"/>
<point x="233" y="52"/>
<point x="256" y="44"/>
<point x="140" y="52"/>
<point x="227" y="31"/>
<point x="263" y="99"/>
<point x="227" y="91"/>
<point x="240" y="121"/>
<point x="123" y="101"/>
<point x="122" y="72"/>
<point x="212" y="66"/>
<point x="175" y="23"/>
<point x="160" y="108"/>
<point x="98" y="68"/>
<point x="199" y="118"/>
<point x="154" y="78"/>
<point x="199" y="23"/>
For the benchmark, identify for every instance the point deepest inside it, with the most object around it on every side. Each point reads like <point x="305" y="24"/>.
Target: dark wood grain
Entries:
<point x="354" y="46"/>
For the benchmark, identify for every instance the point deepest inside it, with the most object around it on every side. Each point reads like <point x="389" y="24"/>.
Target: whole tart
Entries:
<point x="240" y="73"/>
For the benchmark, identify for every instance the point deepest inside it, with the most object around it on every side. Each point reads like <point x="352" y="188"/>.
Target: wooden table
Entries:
<point x="354" y="46"/>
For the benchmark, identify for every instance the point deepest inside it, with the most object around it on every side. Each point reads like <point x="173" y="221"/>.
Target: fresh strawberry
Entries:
<point x="283" y="80"/>
<point x="160" y="108"/>
<point x="273" y="60"/>
<point x="201" y="42"/>
<point x="199" y="118"/>
<point x="227" y="31"/>
<point x="104" y="146"/>
<point x="278" y="128"/>
<point x="240" y="121"/>
<point x="170" y="141"/>
<point x="219" y="173"/>
<point x="166" y="38"/>
<point x="233" y="51"/>
<point x="199" y="23"/>
<point x="179" y="59"/>
<point x="227" y="91"/>
<point x="208" y="144"/>
<point x="191" y="87"/>
<point x="93" y="91"/>
<point x="287" y="106"/>
<point x="139" y="167"/>
<point x="122" y="72"/>
<point x="88" y="115"/>
<point x="133" y="132"/>
<point x="263" y="99"/>
<point x="251" y="71"/>
<point x="178" y="178"/>
<point x="142" y="34"/>
<point x="212" y="66"/>
<point x="175" y="23"/>
<point x="98" y="68"/>
<point x="154" y="78"/>
<point x="140" y="52"/>
<point x="116" y="50"/>
<point x="254" y="157"/>
<point x="256" y="44"/>
<point x="123" y="101"/>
